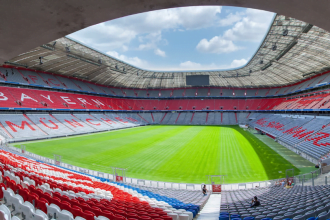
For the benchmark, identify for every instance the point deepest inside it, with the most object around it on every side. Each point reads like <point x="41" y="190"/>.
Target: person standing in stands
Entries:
<point x="204" y="190"/>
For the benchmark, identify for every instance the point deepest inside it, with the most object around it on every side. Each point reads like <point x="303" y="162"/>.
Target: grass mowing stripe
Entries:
<point x="171" y="153"/>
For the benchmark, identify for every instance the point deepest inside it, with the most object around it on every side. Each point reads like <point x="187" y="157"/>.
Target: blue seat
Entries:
<point x="249" y="218"/>
<point x="235" y="216"/>
<point x="266" y="219"/>
<point x="223" y="217"/>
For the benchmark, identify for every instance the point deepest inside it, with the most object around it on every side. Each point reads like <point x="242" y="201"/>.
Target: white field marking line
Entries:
<point x="75" y="136"/>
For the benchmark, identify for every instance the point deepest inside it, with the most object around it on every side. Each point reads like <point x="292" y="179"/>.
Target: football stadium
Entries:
<point x="165" y="110"/>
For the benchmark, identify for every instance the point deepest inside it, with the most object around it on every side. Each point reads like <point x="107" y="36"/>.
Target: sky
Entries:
<point x="179" y="39"/>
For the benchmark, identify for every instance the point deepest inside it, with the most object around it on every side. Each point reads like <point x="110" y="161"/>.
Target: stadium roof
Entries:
<point x="291" y="51"/>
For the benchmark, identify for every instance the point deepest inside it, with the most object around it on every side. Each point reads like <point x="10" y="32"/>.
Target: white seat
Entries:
<point x="64" y="216"/>
<point x="39" y="215"/>
<point x="3" y="215"/>
<point x="191" y="215"/>
<point x="17" y="201"/>
<point x="174" y="216"/>
<point x="27" y="210"/>
<point x="25" y="185"/>
<point x="51" y="209"/>
<point x="7" y="195"/>
<point x="79" y="218"/>
<point x="101" y="218"/>
<point x="183" y="217"/>
<point x="39" y="212"/>
<point x="49" y="191"/>
<point x="67" y="213"/>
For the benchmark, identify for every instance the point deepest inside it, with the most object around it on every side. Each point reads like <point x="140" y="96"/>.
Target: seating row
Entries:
<point x="309" y="134"/>
<point x="25" y="76"/>
<point x="16" y="127"/>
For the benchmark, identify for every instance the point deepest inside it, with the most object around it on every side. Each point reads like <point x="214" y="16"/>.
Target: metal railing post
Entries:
<point x="312" y="179"/>
<point x="326" y="180"/>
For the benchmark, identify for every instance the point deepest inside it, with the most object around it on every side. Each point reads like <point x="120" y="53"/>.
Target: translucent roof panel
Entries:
<point x="291" y="51"/>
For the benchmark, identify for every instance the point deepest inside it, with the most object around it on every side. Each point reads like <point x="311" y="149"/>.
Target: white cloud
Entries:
<point x="216" y="45"/>
<point x="231" y="19"/>
<point x="238" y="63"/>
<point x="251" y="28"/>
<point x="104" y="37"/>
<point x="189" y="65"/>
<point x="135" y="61"/>
<point x="112" y="35"/>
<point x="159" y="52"/>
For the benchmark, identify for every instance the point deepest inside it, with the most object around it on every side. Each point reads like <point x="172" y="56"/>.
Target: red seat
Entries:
<point x="132" y="215"/>
<point x="41" y="204"/>
<point x="77" y="212"/>
<point x="65" y="205"/>
<point x="89" y="215"/>
<point x="97" y="211"/>
<point x="153" y="216"/>
<point x="144" y="217"/>
<point x="32" y="196"/>
<point x="119" y="217"/>
<point x="120" y="212"/>
<point x="25" y="194"/>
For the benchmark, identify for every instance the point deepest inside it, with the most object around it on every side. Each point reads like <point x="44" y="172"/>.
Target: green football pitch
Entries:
<point x="175" y="153"/>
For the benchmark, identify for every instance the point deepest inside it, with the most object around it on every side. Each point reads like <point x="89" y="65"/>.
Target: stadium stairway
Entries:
<point x="211" y="209"/>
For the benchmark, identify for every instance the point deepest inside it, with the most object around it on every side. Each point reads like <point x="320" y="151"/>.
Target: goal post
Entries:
<point x="119" y="174"/>
<point x="289" y="175"/>
<point x="57" y="159"/>
<point x="23" y="148"/>
<point x="216" y="181"/>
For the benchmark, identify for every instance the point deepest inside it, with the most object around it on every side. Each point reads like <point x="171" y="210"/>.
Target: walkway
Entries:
<point x="211" y="209"/>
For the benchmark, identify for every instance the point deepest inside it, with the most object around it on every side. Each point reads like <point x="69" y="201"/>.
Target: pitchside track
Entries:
<point x="173" y="153"/>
